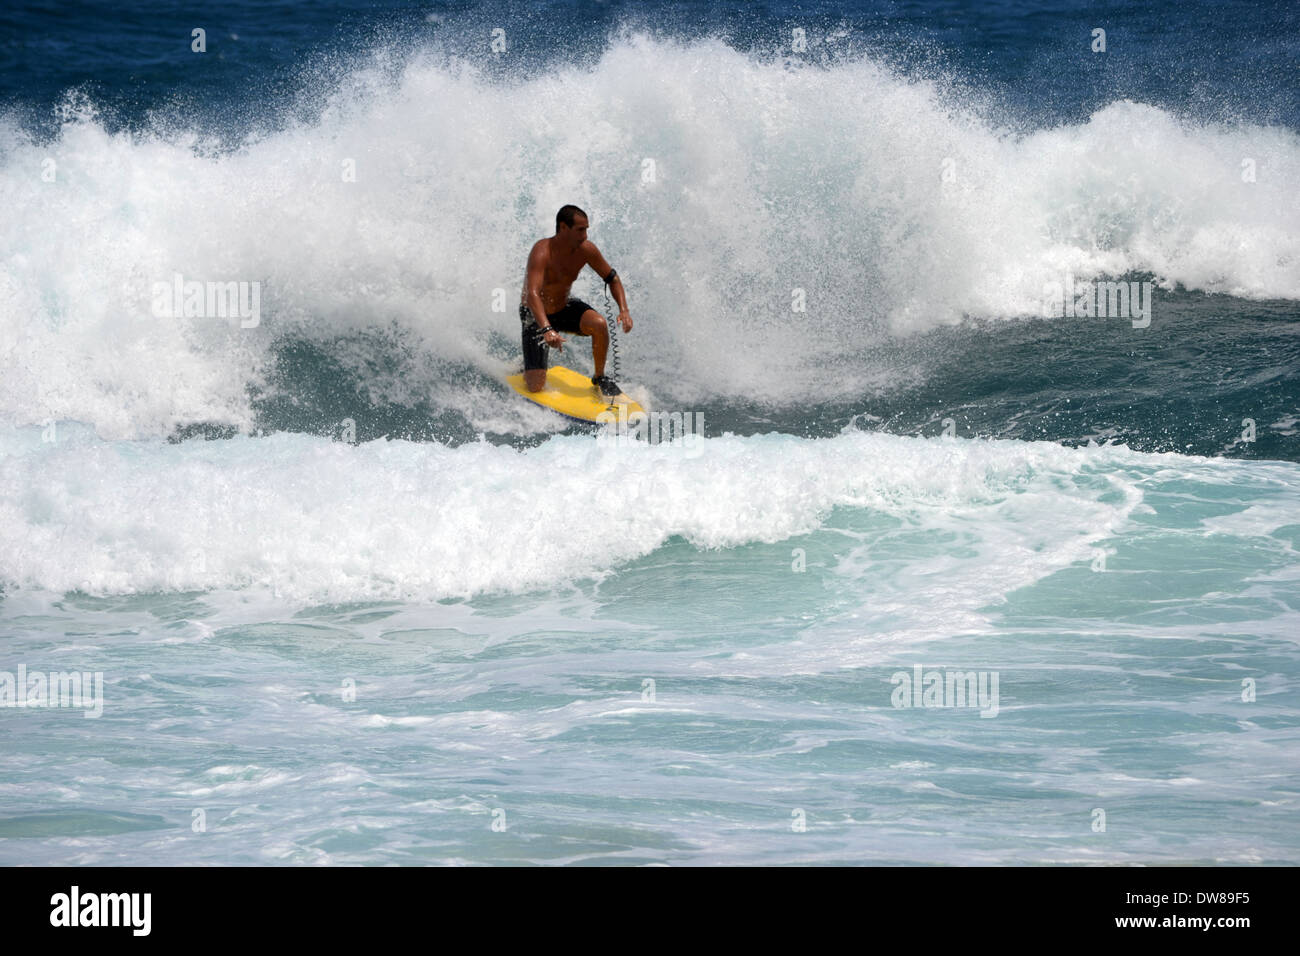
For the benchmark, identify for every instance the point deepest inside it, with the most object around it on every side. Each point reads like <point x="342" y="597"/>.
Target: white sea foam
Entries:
<point x="768" y="177"/>
<point x="319" y="520"/>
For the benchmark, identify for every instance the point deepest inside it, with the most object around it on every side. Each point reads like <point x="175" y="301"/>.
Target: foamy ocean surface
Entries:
<point x="354" y="602"/>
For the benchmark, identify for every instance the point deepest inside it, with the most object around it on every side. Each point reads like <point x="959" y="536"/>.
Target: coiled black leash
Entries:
<point x="613" y="339"/>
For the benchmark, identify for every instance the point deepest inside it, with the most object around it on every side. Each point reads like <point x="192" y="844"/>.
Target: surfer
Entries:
<point x="553" y="264"/>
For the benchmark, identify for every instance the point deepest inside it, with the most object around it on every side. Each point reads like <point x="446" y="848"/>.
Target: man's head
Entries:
<point x="571" y="225"/>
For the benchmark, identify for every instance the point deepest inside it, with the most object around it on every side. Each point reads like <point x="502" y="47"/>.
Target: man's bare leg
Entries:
<point x="535" y="379"/>
<point x="592" y="324"/>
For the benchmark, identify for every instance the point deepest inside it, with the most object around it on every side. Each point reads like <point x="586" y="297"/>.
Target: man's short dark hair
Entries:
<point x="566" y="215"/>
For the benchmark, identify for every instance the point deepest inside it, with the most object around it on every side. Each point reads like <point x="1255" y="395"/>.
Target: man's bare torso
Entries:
<point x="561" y="270"/>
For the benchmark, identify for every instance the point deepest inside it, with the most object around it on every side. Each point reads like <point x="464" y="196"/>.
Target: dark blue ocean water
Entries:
<point x="357" y="602"/>
<point x="1211" y="61"/>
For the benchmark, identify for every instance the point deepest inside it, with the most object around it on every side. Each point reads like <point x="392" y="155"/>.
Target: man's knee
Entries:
<point x="591" y="323"/>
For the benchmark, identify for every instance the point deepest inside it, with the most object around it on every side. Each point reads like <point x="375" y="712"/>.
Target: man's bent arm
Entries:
<point x="616" y="287"/>
<point x="533" y="280"/>
<point x="598" y="263"/>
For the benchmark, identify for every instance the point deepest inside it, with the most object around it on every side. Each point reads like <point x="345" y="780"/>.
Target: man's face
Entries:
<point x="577" y="233"/>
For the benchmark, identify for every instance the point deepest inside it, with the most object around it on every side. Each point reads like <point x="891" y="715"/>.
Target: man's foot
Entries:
<point x="608" y="387"/>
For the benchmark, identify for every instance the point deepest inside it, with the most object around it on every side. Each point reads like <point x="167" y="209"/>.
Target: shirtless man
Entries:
<point x="553" y="264"/>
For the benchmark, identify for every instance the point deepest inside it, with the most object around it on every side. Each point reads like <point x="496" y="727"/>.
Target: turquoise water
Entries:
<point x="769" y="733"/>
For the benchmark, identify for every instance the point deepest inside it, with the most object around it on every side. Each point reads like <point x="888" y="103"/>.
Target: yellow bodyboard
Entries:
<point x="571" y="394"/>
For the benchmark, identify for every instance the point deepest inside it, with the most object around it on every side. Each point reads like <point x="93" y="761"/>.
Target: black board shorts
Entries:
<point x="568" y="319"/>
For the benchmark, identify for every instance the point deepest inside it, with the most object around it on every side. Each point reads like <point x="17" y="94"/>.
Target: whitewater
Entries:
<point x="765" y="177"/>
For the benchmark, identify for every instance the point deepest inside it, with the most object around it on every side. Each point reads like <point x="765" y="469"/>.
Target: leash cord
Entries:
<point x="613" y="338"/>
